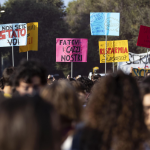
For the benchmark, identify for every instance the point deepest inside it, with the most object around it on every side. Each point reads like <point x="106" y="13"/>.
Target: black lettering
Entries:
<point x="77" y="42"/>
<point x="75" y="56"/>
<point x="60" y="42"/>
<point x="79" y="58"/>
<point x="72" y="42"/>
<point x="72" y="58"/>
<point x="69" y="41"/>
<point x="67" y="57"/>
<point x="64" y="43"/>
<point x="14" y="41"/>
<point x="67" y="49"/>
<point x="9" y="42"/>
<point x="78" y="49"/>
<point x="3" y="27"/>
<point x="62" y="57"/>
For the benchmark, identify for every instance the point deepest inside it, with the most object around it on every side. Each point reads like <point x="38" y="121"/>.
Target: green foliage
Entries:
<point x="132" y="14"/>
<point x="50" y="16"/>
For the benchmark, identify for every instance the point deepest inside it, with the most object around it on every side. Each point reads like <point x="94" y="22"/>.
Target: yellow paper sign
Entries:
<point x="32" y="38"/>
<point x="139" y="71"/>
<point x="117" y="51"/>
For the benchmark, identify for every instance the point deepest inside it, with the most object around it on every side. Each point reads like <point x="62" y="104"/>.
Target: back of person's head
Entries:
<point x="7" y="73"/>
<point x="29" y="69"/>
<point x="79" y="87"/>
<point x="95" y="77"/>
<point x="28" y="124"/>
<point x="63" y="96"/>
<point x="81" y="91"/>
<point x="1" y="84"/>
<point x="139" y="79"/>
<point x="86" y="82"/>
<point x="146" y="80"/>
<point x="115" y="109"/>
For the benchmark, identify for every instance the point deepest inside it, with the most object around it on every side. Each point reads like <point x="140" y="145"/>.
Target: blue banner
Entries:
<point x="105" y="23"/>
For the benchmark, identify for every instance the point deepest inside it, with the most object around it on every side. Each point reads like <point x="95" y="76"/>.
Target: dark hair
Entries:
<point x="1" y="83"/>
<point x="7" y="73"/>
<point x="28" y="69"/>
<point x="86" y="82"/>
<point x="115" y="110"/>
<point x="27" y="123"/>
<point x="63" y="96"/>
<point x="78" y="86"/>
<point x="146" y="80"/>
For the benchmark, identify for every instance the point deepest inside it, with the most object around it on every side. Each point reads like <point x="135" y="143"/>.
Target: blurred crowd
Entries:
<point x="39" y="112"/>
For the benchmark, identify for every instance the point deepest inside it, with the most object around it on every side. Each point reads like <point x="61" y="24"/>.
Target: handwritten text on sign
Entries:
<point x="32" y="38"/>
<point x="117" y="51"/>
<point x="139" y="71"/>
<point x="105" y="23"/>
<point x="13" y="34"/>
<point x="144" y="37"/>
<point x="71" y="50"/>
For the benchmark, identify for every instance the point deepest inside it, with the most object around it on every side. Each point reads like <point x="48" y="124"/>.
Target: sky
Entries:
<point x="65" y="2"/>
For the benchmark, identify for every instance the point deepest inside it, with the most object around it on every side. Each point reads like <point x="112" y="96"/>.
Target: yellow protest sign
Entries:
<point x="117" y="51"/>
<point x="139" y="71"/>
<point x="32" y="38"/>
<point x="110" y="51"/>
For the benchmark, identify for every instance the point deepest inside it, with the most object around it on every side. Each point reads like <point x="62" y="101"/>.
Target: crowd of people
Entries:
<point x="41" y="113"/>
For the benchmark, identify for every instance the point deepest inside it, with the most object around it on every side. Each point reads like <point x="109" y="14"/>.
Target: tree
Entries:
<point x="49" y="14"/>
<point x="132" y="14"/>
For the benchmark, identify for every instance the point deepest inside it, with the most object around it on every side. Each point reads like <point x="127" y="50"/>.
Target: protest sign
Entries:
<point x="144" y="37"/>
<point x="105" y="23"/>
<point x="71" y="50"/>
<point x="13" y="34"/>
<point x="139" y="71"/>
<point x="32" y="38"/>
<point x="117" y="51"/>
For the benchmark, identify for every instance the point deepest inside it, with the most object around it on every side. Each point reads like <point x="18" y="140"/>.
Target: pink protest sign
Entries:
<point x="71" y="50"/>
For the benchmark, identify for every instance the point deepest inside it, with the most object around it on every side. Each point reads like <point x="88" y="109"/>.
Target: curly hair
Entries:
<point x="115" y="110"/>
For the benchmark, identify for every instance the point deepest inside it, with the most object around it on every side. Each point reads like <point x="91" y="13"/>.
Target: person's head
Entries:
<point x="95" y="77"/>
<point x="145" y="91"/>
<point x="115" y="109"/>
<point x="63" y="96"/>
<point x="86" y="82"/>
<point x="28" y="124"/>
<point x="80" y="89"/>
<point x="30" y="77"/>
<point x="7" y="76"/>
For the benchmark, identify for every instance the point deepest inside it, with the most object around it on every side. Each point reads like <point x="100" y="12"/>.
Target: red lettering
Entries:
<point x="119" y="49"/>
<point x="109" y="49"/>
<point x="19" y="30"/>
<point x="9" y="32"/>
<point x="116" y="49"/>
<point x="2" y="36"/>
<point x="13" y="34"/>
<point x="126" y="50"/>
<point x="23" y="34"/>
<point x="112" y="51"/>
<point x="102" y="51"/>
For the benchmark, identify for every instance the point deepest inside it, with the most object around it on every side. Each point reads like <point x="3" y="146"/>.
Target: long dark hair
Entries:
<point x="115" y="110"/>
